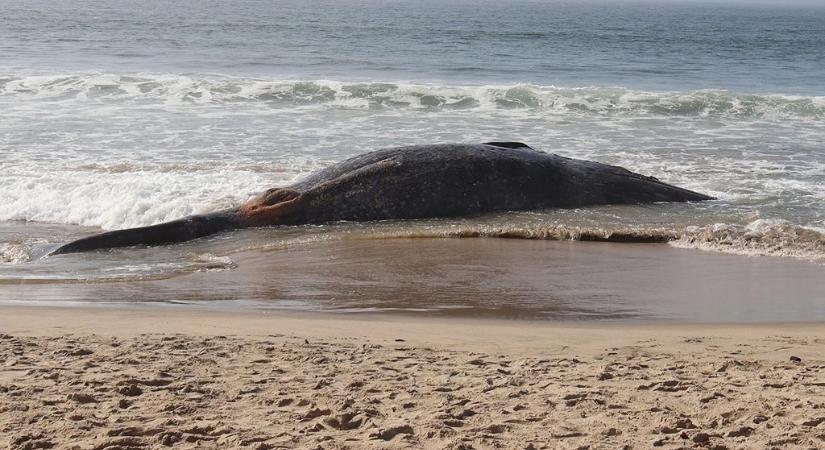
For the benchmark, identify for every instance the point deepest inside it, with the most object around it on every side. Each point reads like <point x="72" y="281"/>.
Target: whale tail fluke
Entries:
<point x="181" y="230"/>
<point x="639" y="189"/>
<point x="596" y="183"/>
<point x="651" y="190"/>
<point x="677" y="194"/>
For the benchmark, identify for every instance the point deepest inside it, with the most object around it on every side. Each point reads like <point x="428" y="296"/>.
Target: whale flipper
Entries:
<point x="181" y="230"/>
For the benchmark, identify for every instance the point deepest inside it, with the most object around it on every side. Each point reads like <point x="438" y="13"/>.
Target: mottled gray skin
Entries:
<point x="417" y="182"/>
<point x="460" y="180"/>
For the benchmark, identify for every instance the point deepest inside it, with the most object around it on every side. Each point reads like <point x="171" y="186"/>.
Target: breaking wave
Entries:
<point x="763" y="237"/>
<point x="14" y="252"/>
<point x="172" y="89"/>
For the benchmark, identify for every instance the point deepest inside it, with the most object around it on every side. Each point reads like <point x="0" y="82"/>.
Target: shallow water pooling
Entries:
<point x="484" y="268"/>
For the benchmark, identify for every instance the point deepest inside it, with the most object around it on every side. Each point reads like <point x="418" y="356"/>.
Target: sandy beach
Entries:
<point x="357" y="224"/>
<point x="128" y="378"/>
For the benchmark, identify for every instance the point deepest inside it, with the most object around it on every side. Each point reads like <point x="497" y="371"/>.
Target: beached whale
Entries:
<point x="444" y="180"/>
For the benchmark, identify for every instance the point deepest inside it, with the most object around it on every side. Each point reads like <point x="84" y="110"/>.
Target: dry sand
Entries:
<point x="136" y="378"/>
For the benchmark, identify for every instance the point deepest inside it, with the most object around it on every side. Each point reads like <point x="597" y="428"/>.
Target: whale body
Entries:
<point x="413" y="182"/>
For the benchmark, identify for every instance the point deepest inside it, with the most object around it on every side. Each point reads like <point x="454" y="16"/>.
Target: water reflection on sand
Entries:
<point x="482" y="277"/>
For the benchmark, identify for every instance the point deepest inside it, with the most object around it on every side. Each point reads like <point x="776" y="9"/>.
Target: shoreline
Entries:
<point x="469" y="333"/>
<point x="491" y="278"/>
<point x="140" y="378"/>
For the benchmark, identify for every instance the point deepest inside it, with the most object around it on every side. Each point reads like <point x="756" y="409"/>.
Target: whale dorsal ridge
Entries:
<point x="508" y="144"/>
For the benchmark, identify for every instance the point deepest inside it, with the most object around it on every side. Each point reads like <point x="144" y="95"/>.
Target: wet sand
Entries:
<point x="491" y="278"/>
<point x="154" y="378"/>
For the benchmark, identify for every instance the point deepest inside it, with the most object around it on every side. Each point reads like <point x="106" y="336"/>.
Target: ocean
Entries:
<point x="117" y="114"/>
